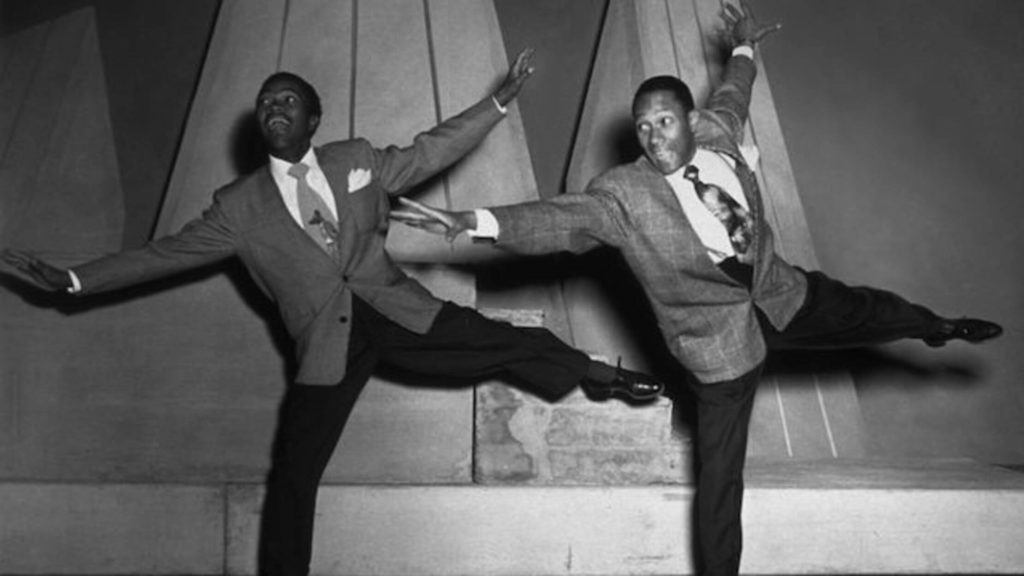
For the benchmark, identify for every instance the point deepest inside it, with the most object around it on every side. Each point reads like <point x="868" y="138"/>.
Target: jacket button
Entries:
<point x="343" y="319"/>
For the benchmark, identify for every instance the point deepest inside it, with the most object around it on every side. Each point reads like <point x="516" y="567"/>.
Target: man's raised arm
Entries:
<point x="730" y="100"/>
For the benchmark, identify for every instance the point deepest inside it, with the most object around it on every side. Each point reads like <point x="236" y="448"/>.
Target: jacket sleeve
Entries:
<point x="202" y="241"/>
<point x="574" y="222"/>
<point x="729" y="102"/>
<point x="399" y="169"/>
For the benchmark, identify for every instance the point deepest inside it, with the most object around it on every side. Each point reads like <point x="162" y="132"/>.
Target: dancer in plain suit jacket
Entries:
<point x="310" y="228"/>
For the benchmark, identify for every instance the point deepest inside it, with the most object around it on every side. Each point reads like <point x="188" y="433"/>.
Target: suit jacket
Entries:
<point x="707" y="318"/>
<point x="312" y="290"/>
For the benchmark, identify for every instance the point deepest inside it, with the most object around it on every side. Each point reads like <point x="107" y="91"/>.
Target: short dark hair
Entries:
<point x="309" y="93"/>
<point x="669" y="84"/>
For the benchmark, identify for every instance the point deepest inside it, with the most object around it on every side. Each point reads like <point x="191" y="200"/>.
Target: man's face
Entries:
<point x="285" y="120"/>
<point x="664" y="130"/>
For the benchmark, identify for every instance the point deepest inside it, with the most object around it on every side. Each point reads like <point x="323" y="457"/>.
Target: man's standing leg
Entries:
<point x="723" y="420"/>
<point x="310" y="425"/>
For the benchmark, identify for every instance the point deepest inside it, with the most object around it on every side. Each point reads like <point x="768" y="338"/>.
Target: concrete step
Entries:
<point x="868" y="517"/>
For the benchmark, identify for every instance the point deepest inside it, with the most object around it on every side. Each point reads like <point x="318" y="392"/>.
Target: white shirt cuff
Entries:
<point x="498" y="105"/>
<point x="744" y="50"/>
<point x="486" y="225"/>
<point x="76" y="284"/>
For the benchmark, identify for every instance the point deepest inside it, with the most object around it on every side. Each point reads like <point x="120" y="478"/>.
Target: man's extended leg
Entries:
<point x="463" y="344"/>
<point x="723" y="420"/>
<point x="835" y="315"/>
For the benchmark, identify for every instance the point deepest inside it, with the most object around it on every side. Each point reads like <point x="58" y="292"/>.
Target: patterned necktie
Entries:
<point x="317" y="218"/>
<point x="737" y="221"/>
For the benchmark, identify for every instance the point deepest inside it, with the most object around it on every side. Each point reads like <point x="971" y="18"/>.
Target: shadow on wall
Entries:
<point x="247" y="150"/>
<point x="874" y="366"/>
<point x="624" y="143"/>
<point x="260" y="305"/>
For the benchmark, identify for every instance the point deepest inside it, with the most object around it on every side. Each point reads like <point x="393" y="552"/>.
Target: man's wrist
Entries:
<point x="485" y="225"/>
<point x="744" y="49"/>
<point x="497" y="104"/>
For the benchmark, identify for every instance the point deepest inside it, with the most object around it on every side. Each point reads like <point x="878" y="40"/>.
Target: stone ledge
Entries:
<point x="963" y="518"/>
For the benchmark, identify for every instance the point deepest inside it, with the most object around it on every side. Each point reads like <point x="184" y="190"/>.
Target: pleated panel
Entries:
<point x="319" y="45"/>
<point x="605" y="135"/>
<point x="21" y="53"/>
<point x="221" y="140"/>
<point x="61" y="189"/>
<point x="468" y="61"/>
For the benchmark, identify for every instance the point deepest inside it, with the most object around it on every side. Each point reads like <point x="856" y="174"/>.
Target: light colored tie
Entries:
<point x="737" y="221"/>
<point x="317" y="218"/>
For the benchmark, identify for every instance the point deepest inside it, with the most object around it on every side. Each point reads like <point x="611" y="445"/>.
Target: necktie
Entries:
<point x="317" y="218"/>
<point x="737" y="221"/>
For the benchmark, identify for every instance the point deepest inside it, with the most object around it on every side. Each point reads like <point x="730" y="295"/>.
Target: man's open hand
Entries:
<point x="742" y="27"/>
<point x="517" y="75"/>
<point x="40" y="273"/>
<point x="434" y="220"/>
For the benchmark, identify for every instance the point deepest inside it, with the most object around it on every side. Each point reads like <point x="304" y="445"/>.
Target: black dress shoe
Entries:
<point x="968" y="329"/>
<point x="627" y="383"/>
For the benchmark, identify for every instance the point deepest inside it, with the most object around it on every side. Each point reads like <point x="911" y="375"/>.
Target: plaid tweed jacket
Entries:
<point x="707" y="318"/>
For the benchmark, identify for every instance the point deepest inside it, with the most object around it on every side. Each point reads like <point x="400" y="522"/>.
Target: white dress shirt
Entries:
<point x="717" y="169"/>
<point x="286" y="184"/>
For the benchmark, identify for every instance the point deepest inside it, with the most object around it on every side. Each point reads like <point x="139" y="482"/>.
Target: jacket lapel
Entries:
<point x="272" y="205"/>
<point x="665" y="198"/>
<point x="681" y="230"/>
<point x="337" y="178"/>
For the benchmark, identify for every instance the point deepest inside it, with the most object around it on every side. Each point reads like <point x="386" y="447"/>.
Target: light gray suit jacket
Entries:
<point x="312" y="290"/>
<point x="706" y="317"/>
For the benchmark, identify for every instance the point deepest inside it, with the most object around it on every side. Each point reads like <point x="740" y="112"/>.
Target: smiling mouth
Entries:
<point x="277" y="123"/>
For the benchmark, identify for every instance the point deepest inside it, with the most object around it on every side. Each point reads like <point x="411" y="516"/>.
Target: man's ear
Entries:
<point x="314" y="123"/>
<point x="691" y="117"/>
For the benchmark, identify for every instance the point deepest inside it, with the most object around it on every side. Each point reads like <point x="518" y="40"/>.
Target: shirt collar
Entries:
<point x="700" y="159"/>
<point x="279" y="168"/>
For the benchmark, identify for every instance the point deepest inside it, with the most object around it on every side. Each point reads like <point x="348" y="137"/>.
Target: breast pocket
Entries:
<point x="366" y="208"/>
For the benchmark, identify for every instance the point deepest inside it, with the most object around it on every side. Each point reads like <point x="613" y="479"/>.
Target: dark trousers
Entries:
<point x="833" y="315"/>
<point x="461" y="345"/>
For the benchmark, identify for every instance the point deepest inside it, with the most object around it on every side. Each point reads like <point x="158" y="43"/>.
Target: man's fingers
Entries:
<point x="732" y="13"/>
<point x="745" y="7"/>
<point x="406" y="216"/>
<point x="12" y="256"/>
<point x="521" y="68"/>
<point x="19" y="261"/>
<point x="409" y="202"/>
<point x="421" y="216"/>
<point x="417" y="207"/>
<point x="766" y="30"/>
<point x="523" y="60"/>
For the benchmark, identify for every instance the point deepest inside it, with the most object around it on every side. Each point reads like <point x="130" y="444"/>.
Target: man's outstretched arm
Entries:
<point x="569" y="222"/>
<point x="201" y="241"/>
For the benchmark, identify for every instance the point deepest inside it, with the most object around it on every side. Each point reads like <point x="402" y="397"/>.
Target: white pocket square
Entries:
<point x="357" y="179"/>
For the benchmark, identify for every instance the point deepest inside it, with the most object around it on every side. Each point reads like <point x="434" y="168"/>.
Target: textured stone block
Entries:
<point x="523" y="440"/>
